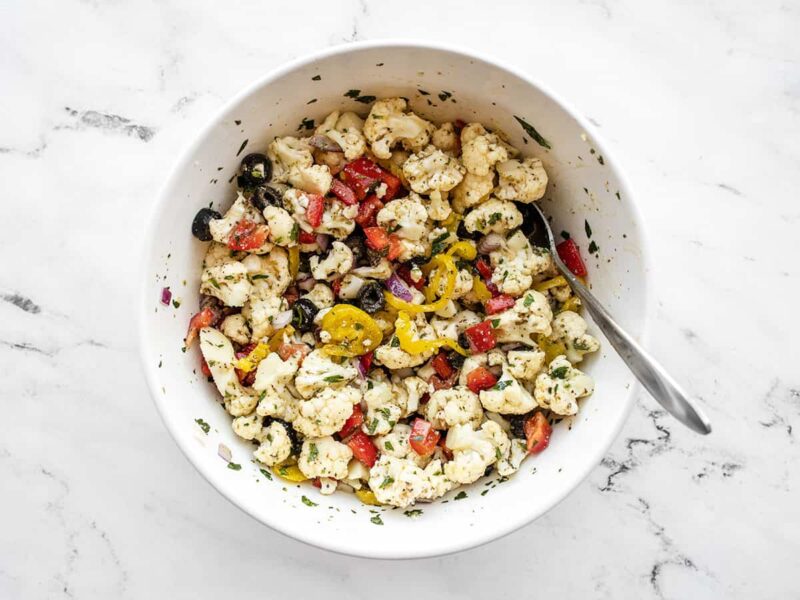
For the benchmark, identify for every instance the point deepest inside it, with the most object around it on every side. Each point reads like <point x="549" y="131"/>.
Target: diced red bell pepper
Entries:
<point x="395" y="247"/>
<point x="314" y="210"/>
<point x="499" y="304"/>
<point x="205" y="318"/>
<point x="307" y="237"/>
<point x="204" y="367"/>
<point x="336" y="287"/>
<point x="458" y="125"/>
<point x="354" y="422"/>
<point x="368" y="210"/>
<point x="377" y="238"/>
<point x="423" y="437"/>
<point x="481" y="336"/>
<point x="442" y="366"/>
<point x="247" y="235"/>
<point x="363" y="448"/>
<point x="537" y="432"/>
<point x="286" y="351"/>
<point x="362" y="174"/>
<point x="480" y="378"/>
<point x="569" y="252"/>
<point x="343" y="192"/>
<point x="443" y="445"/>
<point x="316" y="482"/>
<point x="404" y="273"/>
<point x="484" y="269"/>
<point x="365" y="361"/>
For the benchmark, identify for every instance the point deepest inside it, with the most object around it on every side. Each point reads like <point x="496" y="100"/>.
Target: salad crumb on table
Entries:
<point x="373" y="315"/>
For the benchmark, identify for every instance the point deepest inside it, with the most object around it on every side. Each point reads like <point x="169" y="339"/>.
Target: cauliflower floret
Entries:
<point x="409" y="249"/>
<point x="406" y="217"/>
<point x="438" y="483"/>
<point x="383" y="410"/>
<point x="321" y="295"/>
<point x="524" y="181"/>
<point x="287" y="153"/>
<point x="454" y="406"/>
<point x="383" y="270"/>
<point x="507" y="397"/>
<point x="235" y="328"/>
<point x="525" y="364"/>
<point x="445" y="139"/>
<point x="217" y="351"/>
<point x="515" y="263"/>
<point x="228" y="282"/>
<point x="569" y="328"/>
<point x="220" y="254"/>
<point x="241" y="209"/>
<point x="451" y="328"/>
<point x="337" y="217"/>
<point x="530" y="315"/>
<point x="463" y="285"/>
<point x="338" y="262"/>
<point x="397" y="481"/>
<point x="511" y="460"/>
<point x="498" y="216"/>
<point x="472" y="190"/>
<point x="315" y="179"/>
<point x="392" y="356"/>
<point x="474" y="450"/>
<point x="433" y="172"/>
<point x="388" y="124"/>
<point x="283" y="229"/>
<point x="326" y="412"/>
<point x="561" y="385"/>
<point x="247" y="427"/>
<point x="259" y="315"/>
<point x="275" y="446"/>
<point x="407" y="392"/>
<point x="346" y="130"/>
<point x="396" y="444"/>
<point x="324" y="457"/>
<point x="481" y="150"/>
<point x="269" y="274"/>
<point x="273" y="376"/>
<point x="319" y="371"/>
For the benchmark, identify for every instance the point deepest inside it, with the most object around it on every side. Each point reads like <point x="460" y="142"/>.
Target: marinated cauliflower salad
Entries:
<point x="374" y="315"/>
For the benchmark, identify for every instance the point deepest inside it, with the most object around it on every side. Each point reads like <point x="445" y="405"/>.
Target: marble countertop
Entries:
<point x="701" y="101"/>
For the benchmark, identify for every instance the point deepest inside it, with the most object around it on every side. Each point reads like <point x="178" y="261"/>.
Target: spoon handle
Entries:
<point x="651" y="374"/>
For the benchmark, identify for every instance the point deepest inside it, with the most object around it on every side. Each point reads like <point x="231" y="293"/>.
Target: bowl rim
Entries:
<point x="339" y="544"/>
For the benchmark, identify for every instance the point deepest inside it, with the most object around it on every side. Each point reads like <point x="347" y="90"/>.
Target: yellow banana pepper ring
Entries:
<point x="367" y="497"/>
<point x="289" y="473"/>
<point x="480" y="290"/>
<point x="276" y="340"/>
<point x="572" y="303"/>
<point x="402" y="330"/>
<point x="294" y="261"/>
<point x="250" y="362"/>
<point x="464" y="249"/>
<point x="352" y="331"/>
<point x="551" y="283"/>
<point x="447" y="268"/>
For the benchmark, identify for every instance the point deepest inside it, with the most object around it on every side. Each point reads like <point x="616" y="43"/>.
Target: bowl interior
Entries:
<point x="441" y="85"/>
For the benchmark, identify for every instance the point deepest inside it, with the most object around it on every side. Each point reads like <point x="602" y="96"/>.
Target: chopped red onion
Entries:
<point x="166" y="296"/>
<point x="360" y="368"/>
<point x="324" y="143"/>
<point x="323" y="241"/>
<point x="306" y="284"/>
<point x="490" y="243"/>
<point x="281" y="320"/>
<point x="399" y="288"/>
<point x="224" y="453"/>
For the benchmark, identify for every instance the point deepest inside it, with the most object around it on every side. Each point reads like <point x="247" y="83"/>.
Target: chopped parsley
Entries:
<point x="306" y="124"/>
<point x="531" y="131"/>
<point x="395" y="343"/>
<point x="423" y="92"/>
<point x="234" y="466"/>
<point x="386" y="481"/>
<point x="203" y="425"/>
<point x="313" y="453"/>
<point x="439" y="242"/>
<point x="308" y="502"/>
<point x="565" y="235"/>
<point x="376" y="520"/>
<point x="266" y="474"/>
<point x="388" y="445"/>
<point x="414" y="512"/>
<point x="176" y="303"/>
<point x="461" y="495"/>
<point x="501" y="385"/>
<point x="495" y="323"/>
<point x="528" y="301"/>
<point x="333" y="378"/>
<point x="356" y="95"/>
<point x="443" y="95"/>
<point x="593" y="247"/>
<point x="244" y="143"/>
<point x="295" y="232"/>
<point x="494" y="218"/>
<point x="587" y="228"/>
<point x="373" y="425"/>
<point x="559" y="372"/>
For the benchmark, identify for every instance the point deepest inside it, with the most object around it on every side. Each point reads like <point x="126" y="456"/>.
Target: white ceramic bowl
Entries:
<point x="586" y="184"/>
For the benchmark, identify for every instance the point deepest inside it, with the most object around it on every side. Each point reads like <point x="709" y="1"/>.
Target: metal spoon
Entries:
<point x="651" y="374"/>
